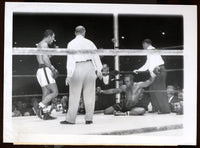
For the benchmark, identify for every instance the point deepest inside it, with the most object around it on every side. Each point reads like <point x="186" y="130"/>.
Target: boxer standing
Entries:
<point x="82" y="71"/>
<point x="45" y="76"/>
<point x="155" y="64"/>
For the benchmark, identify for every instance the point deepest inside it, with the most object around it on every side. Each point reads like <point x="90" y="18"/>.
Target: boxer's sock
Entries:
<point x="46" y="109"/>
<point x="41" y="105"/>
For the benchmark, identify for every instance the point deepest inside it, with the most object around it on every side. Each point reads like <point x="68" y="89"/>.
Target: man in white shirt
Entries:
<point x="82" y="71"/>
<point x="155" y="64"/>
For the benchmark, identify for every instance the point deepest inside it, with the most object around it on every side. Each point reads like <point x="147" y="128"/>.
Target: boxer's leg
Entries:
<point x="119" y="107"/>
<point x="137" y="111"/>
<point x="108" y="111"/>
<point x="49" y="87"/>
<point x="45" y="92"/>
<point x="53" y="89"/>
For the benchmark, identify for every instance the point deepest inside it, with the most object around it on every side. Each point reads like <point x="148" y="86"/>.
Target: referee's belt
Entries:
<point x="161" y="65"/>
<point x="84" y="61"/>
<point x="42" y="66"/>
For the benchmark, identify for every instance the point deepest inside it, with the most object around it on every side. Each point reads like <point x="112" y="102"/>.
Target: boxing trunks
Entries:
<point x="44" y="75"/>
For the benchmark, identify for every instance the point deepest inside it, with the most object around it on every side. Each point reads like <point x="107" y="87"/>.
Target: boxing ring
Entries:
<point x="103" y="124"/>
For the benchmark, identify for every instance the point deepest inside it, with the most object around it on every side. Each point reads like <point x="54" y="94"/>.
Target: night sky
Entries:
<point x="164" y="31"/>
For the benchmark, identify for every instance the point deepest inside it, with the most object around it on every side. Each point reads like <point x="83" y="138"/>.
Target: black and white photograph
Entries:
<point x="105" y="74"/>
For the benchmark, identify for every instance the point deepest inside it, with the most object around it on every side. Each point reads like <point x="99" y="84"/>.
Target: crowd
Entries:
<point x="24" y="107"/>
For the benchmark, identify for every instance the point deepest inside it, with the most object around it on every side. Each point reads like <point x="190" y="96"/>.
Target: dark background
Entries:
<point x="172" y="2"/>
<point x="165" y="31"/>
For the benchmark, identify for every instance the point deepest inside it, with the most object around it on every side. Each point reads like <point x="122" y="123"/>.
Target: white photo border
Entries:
<point x="189" y="13"/>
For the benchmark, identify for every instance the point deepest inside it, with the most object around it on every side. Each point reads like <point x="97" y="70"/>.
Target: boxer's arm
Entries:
<point x="44" y="58"/>
<point x="144" y="67"/>
<point x="146" y="83"/>
<point x="47" y="62"/>
<point x="113" y="91"/>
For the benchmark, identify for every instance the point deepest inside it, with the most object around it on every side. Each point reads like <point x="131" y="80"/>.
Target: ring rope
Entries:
<point x="64" y="94"/>
<point x="120" y="72"/>
<point x="173" y="47"/>
<point x="106" y="52"/>
<point x="36" y="95"/>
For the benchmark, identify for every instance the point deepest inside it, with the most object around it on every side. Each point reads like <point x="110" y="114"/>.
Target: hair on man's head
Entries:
<point x="48" y="32"/>
<point x="129" y="76"/>
<point x="80" y="30"/>
<point x="148" y="41"/>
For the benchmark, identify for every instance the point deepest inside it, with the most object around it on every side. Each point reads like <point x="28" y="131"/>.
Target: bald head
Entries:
<point x="80" y="30"/>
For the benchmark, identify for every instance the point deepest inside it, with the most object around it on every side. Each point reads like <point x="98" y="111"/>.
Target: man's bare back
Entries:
<point x="44" y="59"/>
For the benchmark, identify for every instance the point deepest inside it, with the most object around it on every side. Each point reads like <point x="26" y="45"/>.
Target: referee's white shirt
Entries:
<point x="152" y="61"/>
<point x="78" y="43"/>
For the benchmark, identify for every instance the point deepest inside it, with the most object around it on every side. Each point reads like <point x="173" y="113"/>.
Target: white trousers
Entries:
<point x="83" y="79"/>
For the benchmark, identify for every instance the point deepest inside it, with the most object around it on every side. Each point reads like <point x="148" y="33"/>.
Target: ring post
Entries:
<point x="116" y="47"/>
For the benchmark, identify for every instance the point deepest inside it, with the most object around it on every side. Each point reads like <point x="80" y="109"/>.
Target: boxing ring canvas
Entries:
<point x="118" y="31"/>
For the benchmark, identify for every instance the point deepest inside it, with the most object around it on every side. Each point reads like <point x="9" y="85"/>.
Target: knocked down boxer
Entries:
<point x="133" y="91"/>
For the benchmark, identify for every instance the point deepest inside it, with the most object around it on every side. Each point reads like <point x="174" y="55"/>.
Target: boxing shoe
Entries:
<point x="161" y="113"/>
<point x="119" y="113"/>
<point x="153" y="111"/>
<point x="65" y="122"/>
<point x="81" y="111"/>
<point x="88" y="122"/>
<point x="46" y="116"/>
<point x="37" y="110"/>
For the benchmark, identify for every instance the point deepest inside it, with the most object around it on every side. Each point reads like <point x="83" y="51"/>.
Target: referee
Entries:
<point x="155" y="64"/>
<point x="82" y="71"/>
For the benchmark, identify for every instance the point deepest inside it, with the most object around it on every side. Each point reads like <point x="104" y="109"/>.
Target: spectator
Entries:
<point x="24" y="109"/>
<point x="64" y="102"/>
<point x="179" y="106"/>
<point x="174" y="100"/>
<point x="81" y="108"/>
<point x="107" y="82"/>
<point x="15" y="112"/>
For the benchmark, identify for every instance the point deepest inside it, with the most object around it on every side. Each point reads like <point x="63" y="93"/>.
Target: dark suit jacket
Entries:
<point x="104" y="100"/>
<point x="111" y="83"/>
<point x="174" y="100"/>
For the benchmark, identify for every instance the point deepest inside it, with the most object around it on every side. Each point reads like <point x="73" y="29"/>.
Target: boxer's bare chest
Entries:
<point x="132" y="92"/>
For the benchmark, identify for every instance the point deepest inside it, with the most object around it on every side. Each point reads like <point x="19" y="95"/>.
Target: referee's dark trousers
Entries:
<point x="159" y="100"/>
